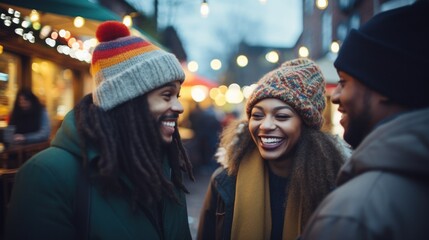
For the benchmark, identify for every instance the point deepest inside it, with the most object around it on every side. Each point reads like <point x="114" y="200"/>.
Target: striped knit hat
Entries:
<point x="300" y="84"/>
<point x="125" y="67"/>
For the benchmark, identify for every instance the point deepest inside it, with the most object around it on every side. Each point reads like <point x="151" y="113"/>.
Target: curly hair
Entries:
<point x="317" y="159"/>
<point x="130" y="144"/>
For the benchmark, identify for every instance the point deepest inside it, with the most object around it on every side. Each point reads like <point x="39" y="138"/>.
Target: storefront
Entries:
<point x="35" y="53"/>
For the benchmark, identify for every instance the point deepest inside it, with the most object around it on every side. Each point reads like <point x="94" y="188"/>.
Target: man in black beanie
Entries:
<point x="383" y="96"/>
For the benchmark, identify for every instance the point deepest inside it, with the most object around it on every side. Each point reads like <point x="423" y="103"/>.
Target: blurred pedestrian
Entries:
<point x="383" y="190"/>
<point x="278" y="164"/>
<point x="28" y="119"/>
<point x="114" y="170"/>
<point x="229" y="117"/>
<point x="206" y="127"/>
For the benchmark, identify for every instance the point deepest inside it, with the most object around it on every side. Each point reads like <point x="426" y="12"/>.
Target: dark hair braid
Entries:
<point x="129" y="142"/>
<point x="146" y="164"/>
<point x="183" y="163"/>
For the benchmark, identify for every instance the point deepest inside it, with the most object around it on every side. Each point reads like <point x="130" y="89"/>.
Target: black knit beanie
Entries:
<point x="390" y="54"/>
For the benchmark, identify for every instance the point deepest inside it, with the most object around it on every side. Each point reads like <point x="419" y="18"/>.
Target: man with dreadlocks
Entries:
<point x="113" y="170"/>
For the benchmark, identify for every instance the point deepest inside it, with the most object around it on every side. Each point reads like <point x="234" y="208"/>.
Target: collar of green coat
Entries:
<point x="68" y="138"/>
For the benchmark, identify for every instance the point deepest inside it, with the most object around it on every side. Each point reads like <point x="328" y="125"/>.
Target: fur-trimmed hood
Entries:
<point x="235" y="141"/>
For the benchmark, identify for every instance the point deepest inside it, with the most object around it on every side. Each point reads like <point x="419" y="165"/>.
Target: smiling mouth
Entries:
<point x="168" y="127"/>
<point x="271" y="142"/>
<point x="171" y="124"/>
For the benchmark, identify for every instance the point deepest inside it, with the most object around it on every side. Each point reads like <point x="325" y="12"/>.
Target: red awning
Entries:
<point x="194" y="79"/>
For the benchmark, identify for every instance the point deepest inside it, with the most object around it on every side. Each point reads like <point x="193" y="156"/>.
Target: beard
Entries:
<point x="359" y="125"/>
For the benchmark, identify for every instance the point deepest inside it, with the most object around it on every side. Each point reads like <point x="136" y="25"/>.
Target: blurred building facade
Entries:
<point x="42" y="48"/>
<point x="323" y="26"/>
<point x="61" y="77"/>
<point x="324" y="29"/>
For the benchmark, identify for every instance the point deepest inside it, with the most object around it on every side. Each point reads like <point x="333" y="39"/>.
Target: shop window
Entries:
<point x="8" y="84"/>
<point x="53" y="85"/>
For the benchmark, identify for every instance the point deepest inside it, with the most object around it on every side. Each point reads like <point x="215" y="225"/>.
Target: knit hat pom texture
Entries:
<point x="111" y="30"/>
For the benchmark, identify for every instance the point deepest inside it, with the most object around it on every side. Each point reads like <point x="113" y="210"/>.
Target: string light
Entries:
<point x="303" y="52"/>
<point x="193" y="66"/>
<point x="204" y="9"/>
<point x="233" y="94"/>
<point x="128" y="21"/>
<point x="36" y="25"/>
<point x="27" y="26"/>
<point x="199" y="93"/>
<point x="248" y="90"/>
<point x="322" y="4"/>
<point x="216" y="64"/>
<point x="242" y="61"/>
<point x="79" y="22"/>
<point x="34" y="16"/>
<point x="335" y="47"/>
<point x="272" y="57"/>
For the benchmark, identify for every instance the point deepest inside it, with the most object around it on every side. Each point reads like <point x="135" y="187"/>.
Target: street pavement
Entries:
<point x="195" y="199"/>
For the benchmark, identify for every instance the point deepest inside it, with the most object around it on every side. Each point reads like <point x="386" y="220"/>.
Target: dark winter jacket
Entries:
<point x="43" y="203"/>
<point x="384" y="188"/>
<point x="218" y="207"/>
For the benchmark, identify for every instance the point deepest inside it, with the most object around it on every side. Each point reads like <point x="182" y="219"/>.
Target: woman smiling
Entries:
<point x="278" y="164"/>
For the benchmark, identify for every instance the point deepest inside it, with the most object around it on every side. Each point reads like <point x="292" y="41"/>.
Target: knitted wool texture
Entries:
<point x="125" y="67"/>
<point x="300" y="84"/>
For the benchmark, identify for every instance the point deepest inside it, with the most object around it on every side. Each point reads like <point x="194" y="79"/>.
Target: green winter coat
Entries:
<point x="43" y="201"/>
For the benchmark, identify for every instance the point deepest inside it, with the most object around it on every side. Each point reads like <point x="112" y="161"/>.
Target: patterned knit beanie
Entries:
<point x="125" y="67"/>
<point x="300" y="84"/>
<point x="389" y="54"/>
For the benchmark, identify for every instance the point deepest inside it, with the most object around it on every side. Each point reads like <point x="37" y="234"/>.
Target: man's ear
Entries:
<point x="389" y="104"/>
<point x="382" y="99"/>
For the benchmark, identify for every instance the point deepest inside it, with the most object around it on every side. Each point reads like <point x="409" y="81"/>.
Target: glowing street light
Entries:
<point x="242" y="61"/>
<point x="303" y="52"/>
<point x="204" y="9"/>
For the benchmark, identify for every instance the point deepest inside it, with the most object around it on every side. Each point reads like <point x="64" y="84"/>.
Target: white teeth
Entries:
<point x="169" y="124"/>
<point x="270" y="140"/>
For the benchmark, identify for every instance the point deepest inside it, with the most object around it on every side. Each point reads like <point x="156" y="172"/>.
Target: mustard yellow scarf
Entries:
<point x="252" y="209"/>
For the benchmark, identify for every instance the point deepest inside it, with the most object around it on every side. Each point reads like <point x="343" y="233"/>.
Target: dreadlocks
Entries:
<point x="130" y="144"/>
